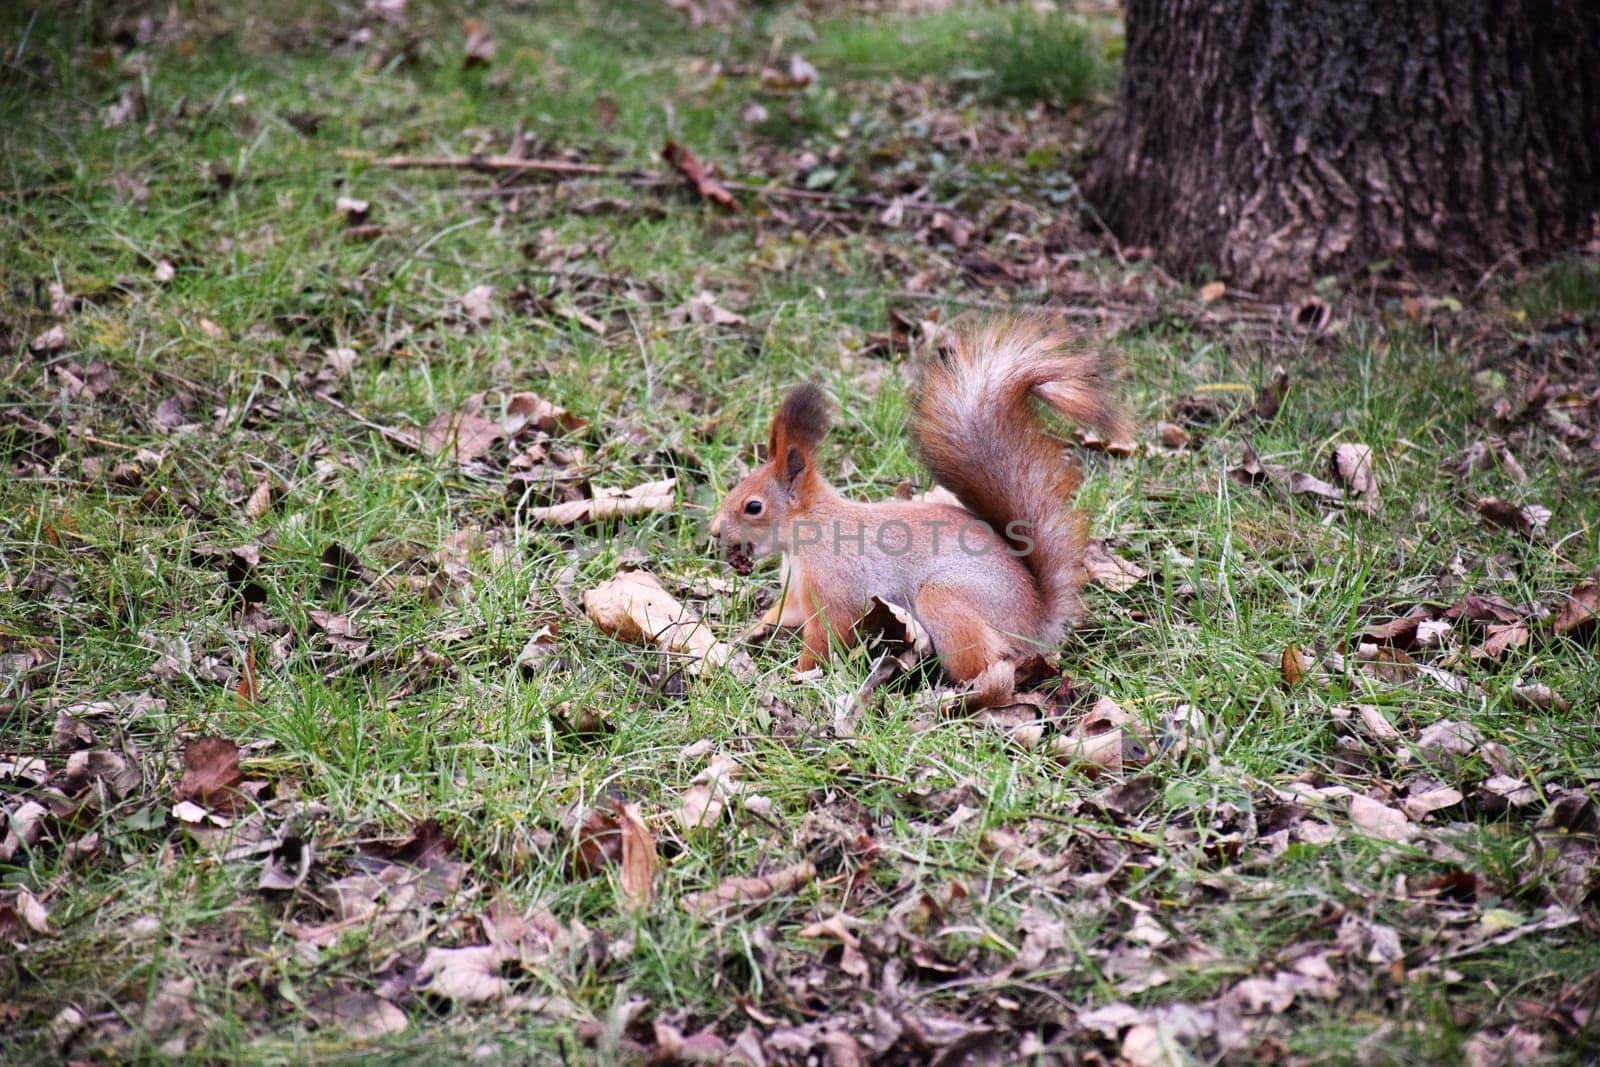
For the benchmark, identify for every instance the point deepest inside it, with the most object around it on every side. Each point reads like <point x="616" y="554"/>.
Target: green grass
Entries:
<point x="1011" y="53"/>
<point x="101" y="570"/>
<point x="1559" y="288"/>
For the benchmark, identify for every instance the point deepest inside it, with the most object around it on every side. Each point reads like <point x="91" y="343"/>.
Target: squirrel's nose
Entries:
<point x="716" y="527"/>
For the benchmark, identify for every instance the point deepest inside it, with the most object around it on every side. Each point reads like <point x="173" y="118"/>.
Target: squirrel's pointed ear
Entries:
<point x="794" y="465"/>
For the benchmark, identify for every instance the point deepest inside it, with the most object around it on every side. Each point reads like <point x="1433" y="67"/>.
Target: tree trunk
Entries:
<point x="1281" y="140"/>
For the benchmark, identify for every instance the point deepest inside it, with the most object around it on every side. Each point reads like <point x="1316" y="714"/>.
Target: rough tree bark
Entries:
<point x="1280" y="140"/>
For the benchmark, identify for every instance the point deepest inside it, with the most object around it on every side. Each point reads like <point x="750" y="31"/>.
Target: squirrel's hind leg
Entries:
<point x="968" y="646"/>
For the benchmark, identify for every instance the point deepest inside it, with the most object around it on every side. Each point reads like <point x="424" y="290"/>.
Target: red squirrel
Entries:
<point x="991" y="581"/>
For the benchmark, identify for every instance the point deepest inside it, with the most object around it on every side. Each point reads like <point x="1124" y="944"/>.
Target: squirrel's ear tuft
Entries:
<point x="802" y="420"/>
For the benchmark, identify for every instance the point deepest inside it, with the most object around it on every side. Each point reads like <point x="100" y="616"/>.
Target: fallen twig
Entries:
<point x="631" y="175"/>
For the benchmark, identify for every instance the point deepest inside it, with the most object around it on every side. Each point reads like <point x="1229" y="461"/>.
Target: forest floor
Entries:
<point x="309" y="749"/>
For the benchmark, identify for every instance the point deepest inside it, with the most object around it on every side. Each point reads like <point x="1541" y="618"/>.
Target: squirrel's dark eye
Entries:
<point x="752" y="507"/>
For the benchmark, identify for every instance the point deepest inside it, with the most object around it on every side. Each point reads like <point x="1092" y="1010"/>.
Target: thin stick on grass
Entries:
<point x="631" y="175"/>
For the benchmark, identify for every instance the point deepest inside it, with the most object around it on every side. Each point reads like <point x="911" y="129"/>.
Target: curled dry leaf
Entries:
<point x="610" y="503"/>
<point x="480" y="47"/>
<point x="703" y="308"/>
<point x="799" y="75"/>
<point x="530" y="409"/>
<point x="634" y="607"/>
<point x="1353" y="464"/>
<point x="687" y="164"/>
<point x="1113" y="572"/>
<point x="1172" y="435"/>
<point x="23" y="909"/>
<point x="1529" y="520"/>
<point x="743" y="892"/>
<point x="1293" y="666"/>
<point x="639" y="863"/>
<point x="1097" y="738"/>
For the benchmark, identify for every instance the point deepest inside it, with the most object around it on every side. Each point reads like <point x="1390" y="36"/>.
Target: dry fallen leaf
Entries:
<point x="610" y="503"/>
<point x="1529" y="520"/>
<point x="477" y="303"/>
<point x="211" y="774"/>
<point x="1097" y="738"/>
<point x="1213" y="291"/>
<point x="1379" y="820"/>
<point x="340" y="631"/>
<point x="462" y="435"/>
<point x="1293" y="665"/>
<point x="1113" y="572"/>
<point x="1419" y="804"/>
<point x="1353" y="464"/>
<point x="480" y="47"/>
<point x="634" y="607"/>
<point x="741" y="892"/>
<point x="530" y="409"/>
<point x="639" y="863"/>
<point x="1580" y="608"/>
<point x="361" y="1015"/>
<point x="50" y="342"/>
<point x="686" y="163"/>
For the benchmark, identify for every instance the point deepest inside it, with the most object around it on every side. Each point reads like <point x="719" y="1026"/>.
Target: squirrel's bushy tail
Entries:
<point x="979" y="434"/>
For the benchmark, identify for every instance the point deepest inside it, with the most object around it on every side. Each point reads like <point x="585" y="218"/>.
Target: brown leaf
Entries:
<point x="685" y="162"/>
<point x="249" y="690"/>
<point x="1097" y="738"/>
<point x="639" y="864"/>
<point x="211" y="775"/>
<point x="260" y="500"/>
<point x="1580" y="609"/>
<point x="1529" y="520"/>
<point x="1113" y="572"/>
<point x="477" y="303"/>
<point x="531" y="409"/>
<point x="50" y="342"/>
<point x="1212" y="291"/>
<point x="610" y="503"/>
<point x="362" y="1016"/>
<point x="1293" y="665"/>
<point x="540" y="647"/>
<point x="799" y="75"/>
<point x="1501" y="638"/>
<point x="742" y="892"/>
<point x="1353" y="464"/>
<point x="1401" y="632"/>
<point x="339" y="630"/>
<point x="1379" y="820"/>
<point x="480" y="46"/>
<point x="1419" y="804"/>
<point x="634" y="607"/>
<point x="1172" y="435"/>
<point x="22" y="909"/>
<point x="470" y="974"/>
<point x="597" y="845"/>
<point x="462" y="435"/>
